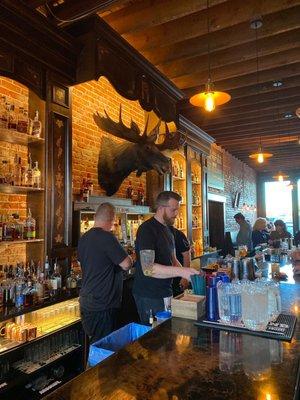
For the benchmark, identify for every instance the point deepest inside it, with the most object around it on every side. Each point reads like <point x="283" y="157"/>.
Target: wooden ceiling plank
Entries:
<point x="232" y="55"/>
<point x="268" y="125"/>
<point x="221" y="17"/>
<point x="239" y="82"/>
<point x="150" y="13"/>
<point x="283" y="21"/>
<point x="251" y="134"/>
<point x="238" y="69"/>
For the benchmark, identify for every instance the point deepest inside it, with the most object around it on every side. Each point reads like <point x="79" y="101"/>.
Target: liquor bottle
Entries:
<point x="36" y="175"/>
<point x="55" y="281"/>
<point x="18" y="227"/>
<point x="175" y="169"/>
<point x="17" y="171"/>
<point x="39" y="285"/>
<point x="89" y="184"/>
<point x="180" y="171"/>
<point x="30" y="227"/>
<point x="71" y="281"/>
<point x="36" y="126"/>
<point x="181" y="226"/>
<point x="129" y="191"/>
<point x="22" y="125"/>
<point x="12" y="119"/>
<point x="141" y="195"/>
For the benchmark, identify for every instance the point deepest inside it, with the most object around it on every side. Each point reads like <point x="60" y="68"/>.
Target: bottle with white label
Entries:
<point x="36" y="126"/>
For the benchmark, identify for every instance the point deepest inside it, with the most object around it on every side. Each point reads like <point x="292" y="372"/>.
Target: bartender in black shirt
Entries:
<point x="102" y="260"/>
<point x="151" y="292"/>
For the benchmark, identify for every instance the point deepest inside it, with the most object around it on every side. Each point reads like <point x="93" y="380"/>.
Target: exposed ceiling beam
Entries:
<point x="232" y="55"/>
<point x="241" y="68"/>
<point x="250" y="134"/>
<point x="250" y="79"/>
<point x="283" y="21"/>
<point x="151" y="13"/>
<point x="221" y="17"/>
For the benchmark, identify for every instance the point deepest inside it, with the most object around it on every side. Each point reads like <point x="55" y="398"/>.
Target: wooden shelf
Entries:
<point x="10" y="189"/>
<point x="196" y="183"/>
<point x="21" y="241"/>
<point x="196" y="227"/>
<point x="10" y="136"/>
<point x="196" y="205"/>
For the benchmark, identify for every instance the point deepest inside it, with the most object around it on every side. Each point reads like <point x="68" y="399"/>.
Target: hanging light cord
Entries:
<point x="208" y="41"/>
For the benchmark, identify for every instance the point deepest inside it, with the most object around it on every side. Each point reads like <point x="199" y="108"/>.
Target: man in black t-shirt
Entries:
<point x="102" y="260"/>
<point x="151" y="292"/>
<point x="183" y="255"/>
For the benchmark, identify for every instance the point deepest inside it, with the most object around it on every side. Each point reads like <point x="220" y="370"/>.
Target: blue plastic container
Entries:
<point x="108" y="345"/>
<point x="162" y="316"/>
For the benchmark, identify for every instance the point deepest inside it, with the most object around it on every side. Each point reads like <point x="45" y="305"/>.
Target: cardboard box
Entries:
<point x="189" y="306"/>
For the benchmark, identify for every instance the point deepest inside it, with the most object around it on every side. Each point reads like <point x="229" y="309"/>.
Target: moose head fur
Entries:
<point x="141" y="154"/>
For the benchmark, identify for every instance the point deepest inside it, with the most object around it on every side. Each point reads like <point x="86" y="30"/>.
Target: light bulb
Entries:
<point x="260" y="158"/>
<point x="209" y="102"/>
<point x="280" y="178"/>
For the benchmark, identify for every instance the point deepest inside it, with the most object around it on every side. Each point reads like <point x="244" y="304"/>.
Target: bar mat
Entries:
<point x="281" y="329"/>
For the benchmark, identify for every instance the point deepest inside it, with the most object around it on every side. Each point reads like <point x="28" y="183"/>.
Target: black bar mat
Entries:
<point x="281" y="329"/>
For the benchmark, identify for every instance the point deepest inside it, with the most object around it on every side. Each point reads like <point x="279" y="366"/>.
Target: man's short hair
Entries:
<point x="105" y="212"/>
<point x="163" y="198"/>
<point x="239" y="216"/>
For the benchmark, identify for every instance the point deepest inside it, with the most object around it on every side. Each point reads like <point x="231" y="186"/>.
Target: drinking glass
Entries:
<point x="147" y="260"/>
<point x="255" y="306"/>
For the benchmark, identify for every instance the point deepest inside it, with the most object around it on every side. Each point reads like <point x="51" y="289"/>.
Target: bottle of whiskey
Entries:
<point x="55" y="280"/>
<point x="36" y="175"/>
<point x="36" y="126"/>
<point x="12" y="119"/>
<point x="30" y="227"/>
<point x="22" y="125"/>
<point x="89" y="184"/>
<point x="129" y="191"/>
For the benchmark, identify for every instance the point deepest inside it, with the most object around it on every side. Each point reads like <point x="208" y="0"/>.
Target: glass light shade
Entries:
<point x="280" y="176"/>
<point x="209" y="99"/>
<point x="260" y="155"/>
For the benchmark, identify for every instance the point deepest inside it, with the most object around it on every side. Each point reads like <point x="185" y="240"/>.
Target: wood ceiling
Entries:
<point x="172" y="35"/>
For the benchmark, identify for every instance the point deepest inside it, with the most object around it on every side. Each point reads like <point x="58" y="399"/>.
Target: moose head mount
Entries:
<point x="141" y="154"/>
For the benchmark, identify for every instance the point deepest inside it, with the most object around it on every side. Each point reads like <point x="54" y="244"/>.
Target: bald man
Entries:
<point x="102" y="260"/>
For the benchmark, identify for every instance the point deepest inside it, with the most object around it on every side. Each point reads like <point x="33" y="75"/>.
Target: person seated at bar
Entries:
<point x="151" y="293"/>
<point x="183" y="255"/>
<point x="102" y="260"/>
<point x="259" y="232"/>
<point x="280" y="233"/>
<point x="244" y="236"/>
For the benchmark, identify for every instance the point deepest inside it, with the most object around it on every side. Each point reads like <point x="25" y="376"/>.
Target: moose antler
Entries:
<point x="171" y="141"/>
<point x="119" y="129"/>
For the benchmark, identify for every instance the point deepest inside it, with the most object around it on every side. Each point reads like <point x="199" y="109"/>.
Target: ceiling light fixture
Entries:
<point x="280" y="176"/>
<point x="260" y="156"/>
<point x="210" y="98"/>
<point x="288" y="115"/>
<point x="277" y="83"/>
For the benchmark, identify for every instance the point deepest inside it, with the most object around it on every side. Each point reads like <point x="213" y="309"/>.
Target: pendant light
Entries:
<point x="280" y="176"/>
<point x="260" y="156"/>
<point x="210" y="98"/>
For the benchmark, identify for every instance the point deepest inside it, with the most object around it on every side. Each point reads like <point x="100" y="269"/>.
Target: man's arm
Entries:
<point x="126" y="264"/>
<point x="163" y="272"/>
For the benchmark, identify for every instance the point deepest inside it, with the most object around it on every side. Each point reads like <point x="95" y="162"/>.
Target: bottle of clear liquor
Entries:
<point x="36" y="126"/>
<point x="36" y="175"/>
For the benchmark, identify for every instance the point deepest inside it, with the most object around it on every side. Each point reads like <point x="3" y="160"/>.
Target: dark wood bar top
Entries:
<point x="178" y="361"/>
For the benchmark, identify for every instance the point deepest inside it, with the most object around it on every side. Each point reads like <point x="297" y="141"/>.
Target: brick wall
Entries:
<point x="237" y="177"/>
<point x="88" y="98"/>
<point x="16" y="94"/>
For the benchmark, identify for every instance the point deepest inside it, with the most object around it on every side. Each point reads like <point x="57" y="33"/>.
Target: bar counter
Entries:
<point x="179" y="361"/>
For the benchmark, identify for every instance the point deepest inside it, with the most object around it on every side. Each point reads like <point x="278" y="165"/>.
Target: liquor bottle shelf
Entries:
<point x="11" y="136"/>
<point x="11" y="312"/>
<point x="21" y="241"/>
<point x="10" y="189"/>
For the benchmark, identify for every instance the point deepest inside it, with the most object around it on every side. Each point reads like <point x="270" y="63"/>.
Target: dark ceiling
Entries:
<point x="172" y="35"/>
